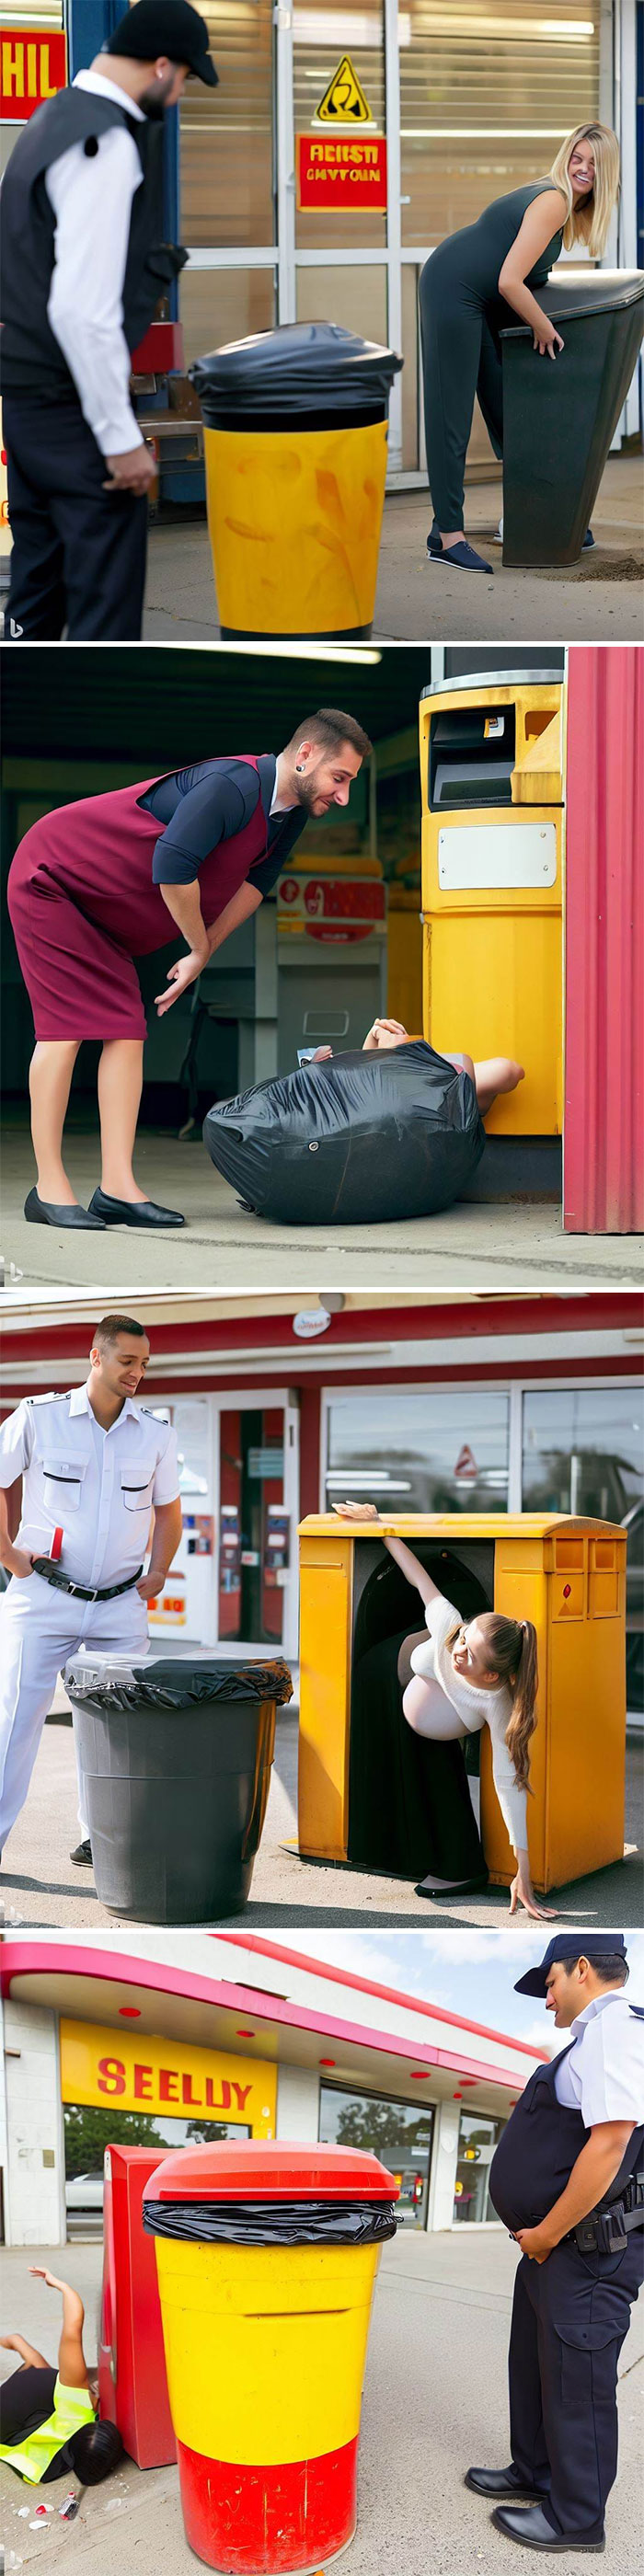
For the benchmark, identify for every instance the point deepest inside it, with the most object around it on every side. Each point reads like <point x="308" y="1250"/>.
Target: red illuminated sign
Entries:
<point x="347" y="170"/>
<point x="33" y="67"/>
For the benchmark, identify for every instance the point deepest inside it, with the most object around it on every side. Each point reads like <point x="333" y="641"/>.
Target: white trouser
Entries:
<point x="39" y="1630"/>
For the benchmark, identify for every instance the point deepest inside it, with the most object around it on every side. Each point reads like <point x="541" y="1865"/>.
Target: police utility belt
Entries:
<point x="51" y="1573"/>
<point x="605" y="2231"/>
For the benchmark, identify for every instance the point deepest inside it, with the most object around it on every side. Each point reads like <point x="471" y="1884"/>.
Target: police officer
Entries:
<point x="567" y="2179"/>
<point x="83" y="267"/>
<point x="95" y="1464"/>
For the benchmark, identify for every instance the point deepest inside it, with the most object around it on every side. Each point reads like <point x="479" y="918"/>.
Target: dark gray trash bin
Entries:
<point x="559" y="418"/>
<point x="176" y="1759"/>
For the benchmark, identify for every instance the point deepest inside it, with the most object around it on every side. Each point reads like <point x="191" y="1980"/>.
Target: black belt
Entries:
<point x="605" y="2231"/>
<point x="51" y="1573"/>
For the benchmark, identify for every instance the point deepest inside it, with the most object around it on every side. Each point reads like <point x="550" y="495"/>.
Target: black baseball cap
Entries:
<point x="571" y="1945"/>
<point x="169" y="27"/>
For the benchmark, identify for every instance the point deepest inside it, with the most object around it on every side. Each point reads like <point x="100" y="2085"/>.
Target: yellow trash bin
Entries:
<point x="295" y="444"/>
<point x="567" y="1575"/>
<point x="267" y="2258"/>
<point x="492" y="781"/>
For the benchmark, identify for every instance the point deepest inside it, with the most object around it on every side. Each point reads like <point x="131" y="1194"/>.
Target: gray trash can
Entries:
<point x="175" y="1754"/>
<point x="559" y="419"/>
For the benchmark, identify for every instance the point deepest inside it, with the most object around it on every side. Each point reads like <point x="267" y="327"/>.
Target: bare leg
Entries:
<point x="50" y="1075"/>
<point x="497" y="1073"/>
<point x="120" y="1082"/>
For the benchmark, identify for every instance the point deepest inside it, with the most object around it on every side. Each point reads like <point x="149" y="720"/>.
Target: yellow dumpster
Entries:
<point x="266" y="2259"/>
<point x="492" y="779"/>
<point x="295" y="446"/>
<point x="567" y="1575"/>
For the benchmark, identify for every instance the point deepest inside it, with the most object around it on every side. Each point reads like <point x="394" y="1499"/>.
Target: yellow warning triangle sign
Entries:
<point x="344" y="101"/>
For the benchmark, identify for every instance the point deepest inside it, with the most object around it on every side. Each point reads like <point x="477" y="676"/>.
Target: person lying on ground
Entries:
<point x="49" y="2418"/>
<point x="494" y="1074"/>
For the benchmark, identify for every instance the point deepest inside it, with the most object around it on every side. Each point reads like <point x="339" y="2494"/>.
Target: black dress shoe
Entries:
<point x="440" y="1887"/>
<point x="533" y="2530"/>
<point x="43" y="1212"/>
<point x="502" y="2482"/>
<point x="139" y="1212"/>
<point x="82" y="1855"/>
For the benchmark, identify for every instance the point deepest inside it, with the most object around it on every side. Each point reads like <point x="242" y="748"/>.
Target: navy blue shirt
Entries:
<point x="209" y="803"/>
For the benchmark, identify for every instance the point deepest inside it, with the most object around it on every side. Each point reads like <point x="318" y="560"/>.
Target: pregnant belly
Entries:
<point x="428" y="1711"/>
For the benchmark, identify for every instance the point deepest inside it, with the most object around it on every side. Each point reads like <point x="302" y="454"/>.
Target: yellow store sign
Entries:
<point x="134" y="2073"/>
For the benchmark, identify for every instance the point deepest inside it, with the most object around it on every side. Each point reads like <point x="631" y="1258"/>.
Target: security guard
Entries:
<point x="83" y="268"/>
<point x="95" y="1464"/>
<point x="567" y="2179"/>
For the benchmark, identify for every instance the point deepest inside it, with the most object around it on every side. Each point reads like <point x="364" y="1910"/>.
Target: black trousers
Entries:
<point x="461" y="357"/>
<point x="569" y="2319"/>
<point x="410" y="1808"/>
<point x="78" y="557"/>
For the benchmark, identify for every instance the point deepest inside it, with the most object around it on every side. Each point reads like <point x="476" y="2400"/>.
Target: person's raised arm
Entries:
<point x="30" y="2358"/>
<point x="410" y="1565"/>
<point x="543" y="218"/>
<point x="72" y="2366"/>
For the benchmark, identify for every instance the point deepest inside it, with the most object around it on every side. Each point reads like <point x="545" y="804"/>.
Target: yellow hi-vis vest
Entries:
<point x="72" y="2407"/>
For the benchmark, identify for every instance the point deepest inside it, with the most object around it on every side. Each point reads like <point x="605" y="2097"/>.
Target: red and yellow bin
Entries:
<point x="267" y="2256"/>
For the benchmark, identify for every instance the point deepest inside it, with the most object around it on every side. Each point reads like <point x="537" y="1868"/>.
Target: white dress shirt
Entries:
<point x="473" y="1708"/>
<point x="92" y="202"/>
<point x="603" y="2077"/>
<point x="99" y="1486"/>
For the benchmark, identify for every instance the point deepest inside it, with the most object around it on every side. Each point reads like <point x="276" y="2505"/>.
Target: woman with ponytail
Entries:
<point x="459" y="1677"/>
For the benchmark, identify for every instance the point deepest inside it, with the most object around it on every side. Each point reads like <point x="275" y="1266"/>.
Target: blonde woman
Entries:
<point x="458" y="1676"/>
<point x="470" y="288"/>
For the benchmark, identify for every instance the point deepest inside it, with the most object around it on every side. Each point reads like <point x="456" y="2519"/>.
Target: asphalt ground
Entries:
<point x="598" y="600"/>
<point x="38" y="1886"/>
<point x="434" y="2401"/>
<point x="485" y="1245"/>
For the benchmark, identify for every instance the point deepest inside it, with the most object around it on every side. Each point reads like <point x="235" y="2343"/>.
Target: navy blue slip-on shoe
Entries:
<point x="533" y="2530"/>
<point x="462" y="556"/>
<point x="588" y="542"/>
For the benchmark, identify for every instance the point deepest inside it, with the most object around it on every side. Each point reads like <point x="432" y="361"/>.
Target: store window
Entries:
<point x="583" y="1451"/>
<point x="420" y="1449"/>
<point x="322" y="38"/>
<point x="89" y="2130"/>
<point x="254" y="1525"/>
<point x="226" y="153"/>
<point x="488" y="90"/>
<point x="477" y="2139"/>
<point x="395" y="2131"/>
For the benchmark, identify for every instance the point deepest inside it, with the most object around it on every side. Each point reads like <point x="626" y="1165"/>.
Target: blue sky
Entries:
<point x="467" y="1972"/>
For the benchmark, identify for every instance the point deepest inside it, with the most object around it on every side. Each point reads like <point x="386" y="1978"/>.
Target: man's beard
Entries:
<point x="155" y="99"/>
<point x="307" y="794"/>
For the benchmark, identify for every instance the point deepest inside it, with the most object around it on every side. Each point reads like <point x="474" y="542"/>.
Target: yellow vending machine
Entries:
<point x="567" y="1575"/>
<point x="492" y="777"/>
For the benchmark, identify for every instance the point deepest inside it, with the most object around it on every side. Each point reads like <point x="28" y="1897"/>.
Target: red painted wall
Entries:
<point x="604" y="1112"/>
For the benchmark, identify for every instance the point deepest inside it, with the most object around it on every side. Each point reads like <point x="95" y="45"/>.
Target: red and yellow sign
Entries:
<point x="33" y="67"/>
<point x="336" y="170"/>
<point x="136" y="2073"/>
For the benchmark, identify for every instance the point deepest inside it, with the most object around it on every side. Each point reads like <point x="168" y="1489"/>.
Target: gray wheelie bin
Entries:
<point x="559" y="419"/>
<point x="175" y="1755"/>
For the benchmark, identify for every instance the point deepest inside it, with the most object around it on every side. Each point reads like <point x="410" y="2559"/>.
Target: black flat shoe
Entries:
<point x="588" y="542"/>
<point x="533" y="2530"/>
<point x="139" y="1212"/>
<point x="440" y="1887"/>
<point x="82" y="1855"/>
<point x="43" y="1212"/>
<point x="502" y="2482"/>
<point x="462" y="556"/>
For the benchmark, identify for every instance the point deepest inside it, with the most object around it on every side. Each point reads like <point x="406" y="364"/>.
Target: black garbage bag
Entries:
<point x="270" y="2222"/>
<point x="308" y="369"/>
<point x="169" y="1684"/>
<point x="356" y="1140"/>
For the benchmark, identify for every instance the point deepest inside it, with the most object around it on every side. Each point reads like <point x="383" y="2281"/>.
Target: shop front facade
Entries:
<point x="235" y="2036"/>
<point x="342" y="145"/>
<point x="281" y="1410"/>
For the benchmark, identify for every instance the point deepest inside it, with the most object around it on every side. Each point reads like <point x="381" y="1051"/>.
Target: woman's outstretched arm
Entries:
<point x="72" y="2366"/>
<point x="30" y="2358"/>
<point x="409" y="1564"/>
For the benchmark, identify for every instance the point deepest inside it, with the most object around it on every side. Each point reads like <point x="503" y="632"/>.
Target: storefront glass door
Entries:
<point x="256" y="1521"/>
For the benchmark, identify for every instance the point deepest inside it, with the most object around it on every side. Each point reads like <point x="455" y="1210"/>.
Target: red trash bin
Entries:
<point x="267" y="2257"/>
<point x="133" y="2388"/>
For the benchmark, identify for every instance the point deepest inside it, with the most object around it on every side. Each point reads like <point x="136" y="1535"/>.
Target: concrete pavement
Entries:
<point x="598" y="600"/>
<point x="38" y="1886"/>
<point x="434" y="2400"/>
<point x="502" y="1246"/>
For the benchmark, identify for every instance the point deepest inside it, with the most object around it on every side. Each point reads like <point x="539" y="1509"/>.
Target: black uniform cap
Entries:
<point x="169" y="27"/>
<point x="571" y="1945"/>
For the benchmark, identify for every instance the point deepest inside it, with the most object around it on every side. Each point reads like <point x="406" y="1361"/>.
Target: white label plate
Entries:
<point x="491" y="856"/>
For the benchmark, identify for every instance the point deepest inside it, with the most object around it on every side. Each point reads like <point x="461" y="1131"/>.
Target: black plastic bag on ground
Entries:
<point x="356" y="1140"/>
<point x="302" y="369"/>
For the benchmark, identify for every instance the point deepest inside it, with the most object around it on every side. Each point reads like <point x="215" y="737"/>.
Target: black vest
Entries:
<point x="536" y="2153"/>
<point x="32" y="361"/>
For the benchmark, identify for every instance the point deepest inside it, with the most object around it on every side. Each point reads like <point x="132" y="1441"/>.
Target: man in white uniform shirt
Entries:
<point x="97" y="1465"/>
<point x="567" y="2178"/>
<point x="83" y="267"/>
